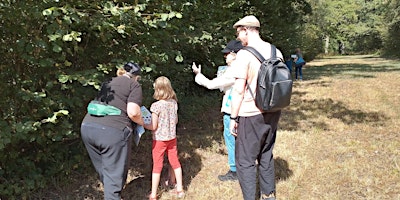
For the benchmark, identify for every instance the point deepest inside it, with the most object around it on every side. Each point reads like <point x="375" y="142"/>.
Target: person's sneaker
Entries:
<point x="268" y="197"/>
<point x="230" y="176"/>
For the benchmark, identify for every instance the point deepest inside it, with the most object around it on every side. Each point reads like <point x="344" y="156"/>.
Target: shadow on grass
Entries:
<point x="308" y="110"/>
<point x="197" y="126"/>
<point x="190" y="137"/>
<point x="282" y="170"/>
<point x="312" y="109"/>
<point x="140" y="187"/>
<point x="352" y="70"/>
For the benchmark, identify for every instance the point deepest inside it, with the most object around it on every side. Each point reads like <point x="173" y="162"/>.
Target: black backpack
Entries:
<point x="274" y="82"/>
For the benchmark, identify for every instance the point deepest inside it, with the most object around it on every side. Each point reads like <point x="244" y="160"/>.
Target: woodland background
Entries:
<point x="54" y="54"/>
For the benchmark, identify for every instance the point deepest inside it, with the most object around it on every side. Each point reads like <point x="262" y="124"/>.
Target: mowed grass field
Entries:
<point x="339" y="139"/>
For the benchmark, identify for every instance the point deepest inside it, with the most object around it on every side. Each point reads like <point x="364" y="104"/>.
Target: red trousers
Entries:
<point x="159" y="148"/>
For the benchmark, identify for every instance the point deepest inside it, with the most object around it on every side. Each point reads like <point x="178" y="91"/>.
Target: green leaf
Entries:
<point x="67" y="63"/>
<point x="67" y="19"/>
<point x="171" y="15"/>
<point x="164" y="16"/>
<point x="57" y="48"/>
<point x="148" y="69"/>
<point x="56" y="13"/>
<point x="114" y="11"/>
<point x="53" y="119"/>
<point x="63" y="78"/>
<point x="121" y="29"/>
<point x="179" y="58"/>
<point x="47" y="12"/>
<point x="64" y="112"/>
<point x="19" y="128"/>
<point x="206" y="36"/>
<point x="67" y="37"/>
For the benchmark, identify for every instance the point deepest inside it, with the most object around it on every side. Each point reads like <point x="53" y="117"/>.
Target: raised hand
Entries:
<point x="196" y="69"/>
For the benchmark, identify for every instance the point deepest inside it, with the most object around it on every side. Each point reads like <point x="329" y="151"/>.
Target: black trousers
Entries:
<point x="109" y="150"/>
<point x="255" y="141"/>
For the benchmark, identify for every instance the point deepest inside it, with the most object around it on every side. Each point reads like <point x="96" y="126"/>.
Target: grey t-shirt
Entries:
<point x="117" y="92"/>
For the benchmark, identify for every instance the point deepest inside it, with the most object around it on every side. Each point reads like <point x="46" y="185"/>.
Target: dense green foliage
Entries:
<point x="392" y="19"/>
<point x="54" y="54"/>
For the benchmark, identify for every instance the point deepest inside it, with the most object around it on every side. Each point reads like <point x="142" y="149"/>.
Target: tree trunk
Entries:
<point x="326" y="44"/>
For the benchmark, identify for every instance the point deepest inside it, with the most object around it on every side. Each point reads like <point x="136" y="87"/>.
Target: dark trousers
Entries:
<point x="255" y="141"/>
<point x="109" y="150"/>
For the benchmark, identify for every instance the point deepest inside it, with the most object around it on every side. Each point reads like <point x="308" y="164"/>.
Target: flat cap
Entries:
<point x="249" y="21"/>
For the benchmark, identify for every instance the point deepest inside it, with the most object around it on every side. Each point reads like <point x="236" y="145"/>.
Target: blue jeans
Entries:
<point x="299" y="71"/>
<point x="229" y="143"/>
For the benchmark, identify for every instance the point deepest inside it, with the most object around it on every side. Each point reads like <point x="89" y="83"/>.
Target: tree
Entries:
<point x="392" y="19"/>
<point x="52" y="52"/>
<point x="358" y="25"/>
<point x="56" y="53"/>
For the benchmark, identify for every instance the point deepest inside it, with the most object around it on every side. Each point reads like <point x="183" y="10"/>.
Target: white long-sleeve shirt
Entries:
<point x="223" y="82"/>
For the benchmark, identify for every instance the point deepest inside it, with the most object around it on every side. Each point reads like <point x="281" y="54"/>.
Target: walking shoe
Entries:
<point x="177" y="194"/>
<point x="230" y="176"/>
<point x="268" y="196"/>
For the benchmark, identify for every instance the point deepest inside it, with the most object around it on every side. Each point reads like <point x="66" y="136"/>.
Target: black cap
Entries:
<point x="233" y="46"/>
<point x="132" y="68"/>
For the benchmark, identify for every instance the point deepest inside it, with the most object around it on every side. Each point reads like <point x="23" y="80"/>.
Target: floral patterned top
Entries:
<point x="167" y="111"/>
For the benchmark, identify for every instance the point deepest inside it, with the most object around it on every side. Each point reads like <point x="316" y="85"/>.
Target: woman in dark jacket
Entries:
<point x="107" y="135"/>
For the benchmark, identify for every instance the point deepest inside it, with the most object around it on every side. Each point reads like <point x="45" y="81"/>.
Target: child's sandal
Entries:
<point x="152" y="198"/>
<point x="178" y="194"/>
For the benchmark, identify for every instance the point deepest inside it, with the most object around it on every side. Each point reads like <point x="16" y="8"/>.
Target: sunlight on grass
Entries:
<point x="348" y="128"/>
<point x="339" y="139"/>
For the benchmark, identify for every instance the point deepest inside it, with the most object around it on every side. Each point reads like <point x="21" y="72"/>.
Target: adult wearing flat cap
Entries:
<point x="255" y="131"/>
<point x="108" y="135"/>
<point x="224" y="82"/>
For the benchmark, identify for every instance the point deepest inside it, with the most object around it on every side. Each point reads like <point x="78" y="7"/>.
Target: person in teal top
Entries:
<point x="300" y="62"/>
<point x="224" y="82"/>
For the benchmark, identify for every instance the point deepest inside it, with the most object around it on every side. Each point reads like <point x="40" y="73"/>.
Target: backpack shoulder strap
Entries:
<point x="259" y="57"/>
<point x="255" y="53"/>
<point x="273" y="51"/>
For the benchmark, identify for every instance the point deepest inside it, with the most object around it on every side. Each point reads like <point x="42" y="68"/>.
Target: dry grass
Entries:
<point x="340" y="135"/>
<point x="338" y="140"/>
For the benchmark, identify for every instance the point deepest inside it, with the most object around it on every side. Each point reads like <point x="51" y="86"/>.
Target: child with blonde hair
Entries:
<point x="120" y="71"/>
<point x="163" y="125"/>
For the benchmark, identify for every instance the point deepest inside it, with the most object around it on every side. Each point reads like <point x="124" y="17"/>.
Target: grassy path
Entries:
<point x="338" y="140"/>
<point x="341" y="134"/>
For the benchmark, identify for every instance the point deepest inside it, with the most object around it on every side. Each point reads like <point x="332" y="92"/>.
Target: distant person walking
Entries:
<point x="289" y="63"/>
<point x="299" y="62"/>
<point x="255" y="131"/>
<point x="224" y="82"/>
<point x="164" y="119"/>
<point x="107" y="132"/>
